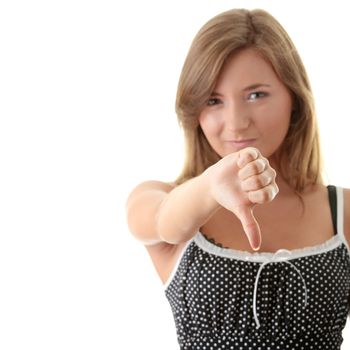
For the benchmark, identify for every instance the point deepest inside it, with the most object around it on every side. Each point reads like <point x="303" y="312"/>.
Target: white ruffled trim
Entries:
<point x="211" y="248"/>
<point x="330" y="244"/>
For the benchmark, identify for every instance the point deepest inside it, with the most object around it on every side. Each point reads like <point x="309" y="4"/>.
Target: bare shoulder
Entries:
<point x="151" y="185"/>
<point x="347" y="214"/>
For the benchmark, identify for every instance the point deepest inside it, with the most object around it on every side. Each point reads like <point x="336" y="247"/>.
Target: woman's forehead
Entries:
<point x="245" y="69"/>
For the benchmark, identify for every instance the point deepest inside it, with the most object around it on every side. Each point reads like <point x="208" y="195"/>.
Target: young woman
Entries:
<point x="252" y="181"/>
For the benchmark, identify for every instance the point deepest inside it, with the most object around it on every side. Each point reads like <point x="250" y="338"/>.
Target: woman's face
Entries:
<point x="249" y="106"/>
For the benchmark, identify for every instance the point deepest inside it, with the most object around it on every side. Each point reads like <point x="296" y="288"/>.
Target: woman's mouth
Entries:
<point x="240" y="144"/>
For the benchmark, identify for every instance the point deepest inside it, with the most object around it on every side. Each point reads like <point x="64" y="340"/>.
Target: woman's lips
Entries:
<point x="240" y="144"/>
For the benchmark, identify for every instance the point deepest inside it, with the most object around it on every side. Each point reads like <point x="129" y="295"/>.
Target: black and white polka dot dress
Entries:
<point x="229" y="299"/>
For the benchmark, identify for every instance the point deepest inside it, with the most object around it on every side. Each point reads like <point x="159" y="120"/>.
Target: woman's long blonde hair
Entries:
<point x="299" y="156"/>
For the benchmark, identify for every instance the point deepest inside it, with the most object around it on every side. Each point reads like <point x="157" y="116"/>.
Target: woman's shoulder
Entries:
<point x="346" y="196"/>
<point x="156" y="184"/>
<point x="346" y="193"/>
<point x="152" y="185"/>
<point x="321" y="190"/>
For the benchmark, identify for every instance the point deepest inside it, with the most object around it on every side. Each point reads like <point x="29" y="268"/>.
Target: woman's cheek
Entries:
<point x="210" y="122"/>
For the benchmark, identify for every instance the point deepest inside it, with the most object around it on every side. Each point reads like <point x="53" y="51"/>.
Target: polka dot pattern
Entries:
<point x="211" y="299"/>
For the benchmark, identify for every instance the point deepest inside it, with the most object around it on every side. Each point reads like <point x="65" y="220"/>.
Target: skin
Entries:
<point x="248" y="102"/>
<point x="220" y="201"/>
<point x="239" y="111"/>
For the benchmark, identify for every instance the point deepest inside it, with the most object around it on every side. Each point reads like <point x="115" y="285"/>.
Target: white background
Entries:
<point x="87" y="92"/>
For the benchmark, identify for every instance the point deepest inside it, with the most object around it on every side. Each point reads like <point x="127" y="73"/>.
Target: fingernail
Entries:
<point x="256" y="248"/>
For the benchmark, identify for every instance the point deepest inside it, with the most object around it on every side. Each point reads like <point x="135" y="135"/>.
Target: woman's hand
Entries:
<point x="238" y="182"/>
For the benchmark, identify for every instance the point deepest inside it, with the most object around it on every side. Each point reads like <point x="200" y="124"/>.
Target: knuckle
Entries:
<point x="265" y="163"/>
<point x="260" y="181"/>
<point x="260" y="165"/>
<point x="271" y="178"/>
<point x="255" y="152"/>
<point x="258" y="197"/>
<point x="255" y="167"/>
<point x="265" y="195"/>
<point x="257" y="182"/>
<point x="274" y="173"/>
<point x="266" y="180"/>
<point x="273" y="189"/>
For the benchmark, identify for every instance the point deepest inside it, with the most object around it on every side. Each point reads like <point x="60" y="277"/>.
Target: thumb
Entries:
<point x="250" y="226"/>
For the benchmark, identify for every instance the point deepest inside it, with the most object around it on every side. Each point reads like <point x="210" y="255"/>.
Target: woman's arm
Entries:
<point x="159" y="212"/>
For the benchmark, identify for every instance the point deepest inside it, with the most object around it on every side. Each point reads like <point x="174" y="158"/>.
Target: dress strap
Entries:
<point x="333" y="201"/>
<point x="340" y="216"/>
<point x="340" y="213"/>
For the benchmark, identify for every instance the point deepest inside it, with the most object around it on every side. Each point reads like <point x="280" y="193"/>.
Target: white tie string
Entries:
<point x="275" y="258"/>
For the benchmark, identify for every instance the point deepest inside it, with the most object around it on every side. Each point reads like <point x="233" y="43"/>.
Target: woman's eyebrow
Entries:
<point x="214" y="93"/>
<point x="248" y="88"/>
<point x="255" y="86"/>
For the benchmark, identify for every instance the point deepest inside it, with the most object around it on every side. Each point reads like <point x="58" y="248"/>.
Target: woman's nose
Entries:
<point x="237" y="117"/>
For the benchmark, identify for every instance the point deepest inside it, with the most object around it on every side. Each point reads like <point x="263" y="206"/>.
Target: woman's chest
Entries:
<point x="286" y="227"/>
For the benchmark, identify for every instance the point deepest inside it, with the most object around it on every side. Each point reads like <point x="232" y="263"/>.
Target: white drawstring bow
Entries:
<point x="277" y="257"/>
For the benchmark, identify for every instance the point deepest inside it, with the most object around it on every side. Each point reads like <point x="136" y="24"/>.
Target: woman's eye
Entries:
<point x="213" y="101"/>
<point x="256" y="95"/>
